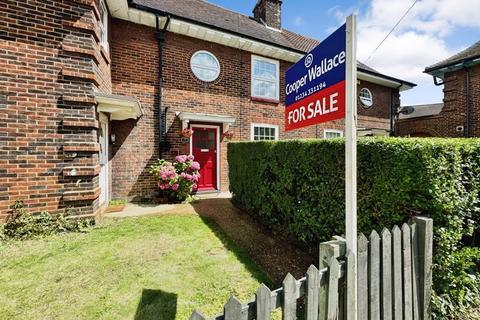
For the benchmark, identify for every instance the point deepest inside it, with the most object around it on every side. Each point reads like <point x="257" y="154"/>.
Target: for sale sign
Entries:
<point x="315" y="86"/>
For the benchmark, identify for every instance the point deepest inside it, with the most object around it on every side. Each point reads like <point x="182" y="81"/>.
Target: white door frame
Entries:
<point x="217" y="127"/>
<point x="104" y="169"/>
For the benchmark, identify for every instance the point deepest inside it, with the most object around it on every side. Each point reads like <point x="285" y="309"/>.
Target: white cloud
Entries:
<point x="298" y="21"/>
<point x="419" y="40"/>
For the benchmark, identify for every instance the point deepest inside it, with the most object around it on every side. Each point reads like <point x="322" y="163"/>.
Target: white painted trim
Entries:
<point x="120" y="9"/>
<point x="104" y="26"/>
<point x="325" y="131"/>
<point x="186" y="117"/>
<point x="217" y="127"/>
<point x="103" y="119"/>
<point x="263" y="125"/>
<point x="382" y="81"/>
<point x="120" y="108"/>
<point x="277" y="66"/>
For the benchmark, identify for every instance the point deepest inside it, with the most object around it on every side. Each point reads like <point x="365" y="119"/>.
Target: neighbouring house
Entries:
<point x="94" y="91"/>
<point x="459" y="114"/>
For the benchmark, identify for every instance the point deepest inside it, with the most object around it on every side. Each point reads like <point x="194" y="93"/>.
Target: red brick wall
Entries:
<point x="134" y="73"/>
<point x="51" y="63"/>
<point x="454" y="110"/>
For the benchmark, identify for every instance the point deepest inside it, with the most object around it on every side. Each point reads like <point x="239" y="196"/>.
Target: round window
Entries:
<point x="366" y="98"/>
<point x="205" y="66"/>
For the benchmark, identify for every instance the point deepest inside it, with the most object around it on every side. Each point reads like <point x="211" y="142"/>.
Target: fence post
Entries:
<point x="425" y="251"/>
<point x="336" y="249"/>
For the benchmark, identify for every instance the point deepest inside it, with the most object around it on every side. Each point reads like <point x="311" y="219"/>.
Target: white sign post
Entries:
<point x="351" y="161"/>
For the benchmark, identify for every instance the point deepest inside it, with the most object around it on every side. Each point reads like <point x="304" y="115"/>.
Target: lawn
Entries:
<point x="138" y="268"/>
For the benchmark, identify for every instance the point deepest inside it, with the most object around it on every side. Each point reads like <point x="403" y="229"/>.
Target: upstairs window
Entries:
<point x="366" y="98"/>
<point x="332" y="134"/>
<point x="205" y="66"/>
<point x="264" y="132"/>
<point x="265" y="78"/>
<point x="104" y="25"/>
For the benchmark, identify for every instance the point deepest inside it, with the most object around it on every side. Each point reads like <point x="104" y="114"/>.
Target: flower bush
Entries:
<point x="178" y="178"/>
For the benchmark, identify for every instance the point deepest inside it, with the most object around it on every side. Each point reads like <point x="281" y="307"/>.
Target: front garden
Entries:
<point x="141" y="268"/>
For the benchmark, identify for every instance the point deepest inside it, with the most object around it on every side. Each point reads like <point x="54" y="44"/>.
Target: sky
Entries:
<point x="432" y="31"/>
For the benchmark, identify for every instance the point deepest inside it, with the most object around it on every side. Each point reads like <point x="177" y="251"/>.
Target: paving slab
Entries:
<point x="141" y="209"/>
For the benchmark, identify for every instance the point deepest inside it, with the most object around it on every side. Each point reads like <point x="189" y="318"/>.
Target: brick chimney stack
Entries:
<point x="269" y="12"/>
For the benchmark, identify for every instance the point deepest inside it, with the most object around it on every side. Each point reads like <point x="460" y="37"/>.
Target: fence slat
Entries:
<point x="263" y="301"/>
<point x="386" y="275"/>
<point x="362" y="276"/>
<point x="425" y="241"/>
<point x="414" y="249"/>
<point x="323" y="295"/>
<point x="333" y="275"/>
<point x="289" y="298"/>
<point x="374" y="276"/>
<point x="313" y="286"/>
<point x="351" y="285"/>
<point x="407" y="272"/>
<point x="397" y="274"/>
<point x="196" y="315"/>
<point x="233" y="309"/>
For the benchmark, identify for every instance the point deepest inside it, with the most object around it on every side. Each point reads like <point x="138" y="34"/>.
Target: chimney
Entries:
<point x="269" y="12"/>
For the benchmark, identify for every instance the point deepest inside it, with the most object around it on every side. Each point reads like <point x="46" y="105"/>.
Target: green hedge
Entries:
<point x="299" y="186"/>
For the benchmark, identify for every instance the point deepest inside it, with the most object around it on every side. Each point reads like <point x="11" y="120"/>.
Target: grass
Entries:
<point x="144" y="268"/>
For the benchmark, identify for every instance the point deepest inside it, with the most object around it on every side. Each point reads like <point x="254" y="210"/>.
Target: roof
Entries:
<point x="423" y="110"/>
<point x="207" y="14"/>
<point x="469" y="54"/>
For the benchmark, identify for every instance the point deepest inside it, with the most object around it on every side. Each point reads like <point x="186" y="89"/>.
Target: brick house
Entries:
<point x="92" y="92"/>
<point x="459" y="114"/>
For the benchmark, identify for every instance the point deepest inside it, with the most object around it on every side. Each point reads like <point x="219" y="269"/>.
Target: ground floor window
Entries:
<point x="264" y="132"/>
<point x="331" y="133"/>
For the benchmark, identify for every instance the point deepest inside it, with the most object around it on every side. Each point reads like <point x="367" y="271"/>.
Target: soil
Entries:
<point x="274" y="252"/>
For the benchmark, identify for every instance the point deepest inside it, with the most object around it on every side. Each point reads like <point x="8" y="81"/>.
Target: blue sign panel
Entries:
<point x="315" y="86"/>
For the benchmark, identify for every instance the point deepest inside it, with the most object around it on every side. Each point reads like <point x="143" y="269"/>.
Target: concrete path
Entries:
<point x="138" y="210"/>
<point x="147" y="209"/>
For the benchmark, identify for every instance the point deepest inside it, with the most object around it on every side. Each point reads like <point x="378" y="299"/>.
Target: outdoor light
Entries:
<point x="113" y="138"/>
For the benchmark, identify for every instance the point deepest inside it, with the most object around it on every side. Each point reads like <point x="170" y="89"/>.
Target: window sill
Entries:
<point x="272" y="101"/>
<point x="104" y="52"/>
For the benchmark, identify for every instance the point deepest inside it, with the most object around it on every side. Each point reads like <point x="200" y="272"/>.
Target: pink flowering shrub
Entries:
<point x="178" y="178"/>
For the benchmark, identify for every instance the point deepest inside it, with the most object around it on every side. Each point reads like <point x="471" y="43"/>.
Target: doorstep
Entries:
<point x="213" y="194"/>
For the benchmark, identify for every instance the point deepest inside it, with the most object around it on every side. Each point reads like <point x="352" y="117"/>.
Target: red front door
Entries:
<point x="204" y="149"/>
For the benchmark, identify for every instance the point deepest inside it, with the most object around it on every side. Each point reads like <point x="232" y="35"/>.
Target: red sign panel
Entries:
<point x="323" y="106"/>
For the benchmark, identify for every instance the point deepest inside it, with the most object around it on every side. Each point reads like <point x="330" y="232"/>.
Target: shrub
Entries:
<point x="179" y="178"/>
<point x="299" y="186"/>
<point x="23" y="225"/>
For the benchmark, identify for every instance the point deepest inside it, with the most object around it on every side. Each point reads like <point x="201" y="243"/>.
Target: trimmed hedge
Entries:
<point x="299" y="185"/>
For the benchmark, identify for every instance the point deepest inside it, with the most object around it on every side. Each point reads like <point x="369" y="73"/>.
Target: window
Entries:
<point x="205" y="66"/>
<point x="265" y="78"/>
<point x="264" y="132"/>
<point x="366" y="98"/>
<point x="104" y="25"/>
<point x="332" y="134"/>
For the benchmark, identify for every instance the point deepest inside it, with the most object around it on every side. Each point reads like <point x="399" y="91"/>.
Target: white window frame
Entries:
<point x="104" y="25"/>
<point x="325" y="131"/>
<point x="263" y="125"/>
<point x="217" y="74"/>
<point x="366" y="105"/>
<point x="252" y="77"/>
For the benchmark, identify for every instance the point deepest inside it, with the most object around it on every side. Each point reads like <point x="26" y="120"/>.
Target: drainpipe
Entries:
<point x="469" y="103"/>
<point x="162" y="112"/>
<point x="393" y="112"/>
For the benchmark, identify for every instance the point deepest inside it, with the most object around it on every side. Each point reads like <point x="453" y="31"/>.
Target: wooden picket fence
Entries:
<point x="394" y="281"/>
